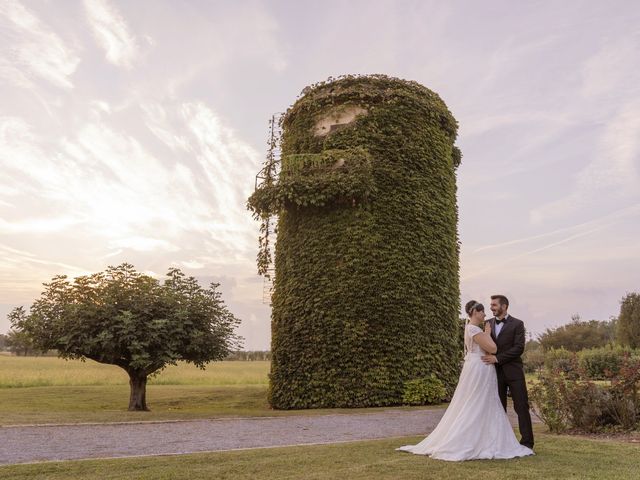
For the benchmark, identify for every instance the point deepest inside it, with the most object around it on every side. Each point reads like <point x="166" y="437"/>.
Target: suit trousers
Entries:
<point x="518" y="389"/>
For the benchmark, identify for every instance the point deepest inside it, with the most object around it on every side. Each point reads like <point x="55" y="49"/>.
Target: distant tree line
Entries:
<point x="19" y="344"/>
<point x="250" y="356"/>
<point x="580" y="336"/>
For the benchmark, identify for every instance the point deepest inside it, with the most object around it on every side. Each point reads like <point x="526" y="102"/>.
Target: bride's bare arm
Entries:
<point x="485" y="341"/>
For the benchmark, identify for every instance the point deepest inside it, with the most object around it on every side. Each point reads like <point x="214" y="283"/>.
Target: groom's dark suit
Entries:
<point x="510" y="342"/>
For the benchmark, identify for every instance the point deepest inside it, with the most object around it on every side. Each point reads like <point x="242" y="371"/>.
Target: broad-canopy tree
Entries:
<point x="129" y="319"/>
<point x="629" y="321"/>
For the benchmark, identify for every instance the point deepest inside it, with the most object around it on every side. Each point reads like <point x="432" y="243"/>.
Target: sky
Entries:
<point x="133" y="131"/>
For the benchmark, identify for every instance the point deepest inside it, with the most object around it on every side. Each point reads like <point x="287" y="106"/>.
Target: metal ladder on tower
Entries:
<point x="269" y="277"/>
<point x="269" y="174"/>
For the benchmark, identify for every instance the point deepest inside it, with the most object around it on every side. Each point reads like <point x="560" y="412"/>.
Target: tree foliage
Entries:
<point x="366" y="292"/>
<point x="131" y="320"/>
<point x="578" y="335"/>
<point x="628" y="333"/>
<point x="19" y="343"/>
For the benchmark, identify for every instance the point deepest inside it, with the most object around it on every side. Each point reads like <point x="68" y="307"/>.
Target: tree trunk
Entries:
<point x="138" y="397"/>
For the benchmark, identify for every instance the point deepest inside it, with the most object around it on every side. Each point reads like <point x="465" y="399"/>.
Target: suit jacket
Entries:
<point x="510" y="345"/>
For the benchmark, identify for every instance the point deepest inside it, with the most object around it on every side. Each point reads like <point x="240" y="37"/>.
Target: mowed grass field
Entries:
<point x="48" y="390"/>
<point x="557" y="457"/>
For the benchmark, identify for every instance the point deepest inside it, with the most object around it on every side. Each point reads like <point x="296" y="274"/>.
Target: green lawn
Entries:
<point x="40" y="405"/>
<point x="49" y="390"/>
<point x="557" y="457"/>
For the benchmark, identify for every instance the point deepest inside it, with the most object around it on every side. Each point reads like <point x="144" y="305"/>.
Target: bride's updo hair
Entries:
<point x="473" y="306"/>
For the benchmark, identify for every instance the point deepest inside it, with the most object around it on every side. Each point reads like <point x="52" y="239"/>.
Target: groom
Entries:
<point x="508" y="334"/>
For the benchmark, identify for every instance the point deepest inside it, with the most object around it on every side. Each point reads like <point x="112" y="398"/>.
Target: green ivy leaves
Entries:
<point x="366" y="263"/>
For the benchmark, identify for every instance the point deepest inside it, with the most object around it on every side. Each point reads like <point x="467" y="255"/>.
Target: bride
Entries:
<point x="475" y="425"/>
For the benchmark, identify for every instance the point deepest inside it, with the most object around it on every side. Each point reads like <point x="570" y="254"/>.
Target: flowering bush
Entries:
<point x="564" y="402"/>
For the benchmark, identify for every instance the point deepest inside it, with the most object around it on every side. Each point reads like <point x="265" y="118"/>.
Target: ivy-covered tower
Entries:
<point x="366" y="292"/>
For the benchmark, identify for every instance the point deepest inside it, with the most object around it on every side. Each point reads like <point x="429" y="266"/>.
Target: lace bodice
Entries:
<point x="470" y="346"/>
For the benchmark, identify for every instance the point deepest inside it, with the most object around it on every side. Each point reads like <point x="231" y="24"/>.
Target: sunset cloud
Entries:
<point x="31" y="50"/>
<point x="126" y="136"/>
<point x="112" y="32"/>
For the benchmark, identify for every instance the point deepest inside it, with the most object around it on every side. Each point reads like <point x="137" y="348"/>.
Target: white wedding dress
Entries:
<point x="475" y="425"/>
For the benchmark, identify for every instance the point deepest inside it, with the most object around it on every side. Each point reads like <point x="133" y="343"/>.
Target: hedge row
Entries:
<point x="593" y="364"/>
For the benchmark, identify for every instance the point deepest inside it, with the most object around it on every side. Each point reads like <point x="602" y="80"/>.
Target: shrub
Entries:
<point x="595" y="362"/>
<point x="621" y="410"/>
<point x="585" y="404"/>
<point x="563" y="403"/>
<point x="533" y="360"/>
<point x="423" y="391"/>
<point x="559" y="359"/>
<point x="548" y="401"/>
<point x="624" y="404"/>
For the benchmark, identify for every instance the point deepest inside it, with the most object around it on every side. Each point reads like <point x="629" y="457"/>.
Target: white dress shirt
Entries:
<point x="501" y="324"/>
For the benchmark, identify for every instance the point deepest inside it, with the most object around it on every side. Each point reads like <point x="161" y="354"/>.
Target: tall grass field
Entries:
<point x="16" y="372"/>
<point x="46" y="390"/>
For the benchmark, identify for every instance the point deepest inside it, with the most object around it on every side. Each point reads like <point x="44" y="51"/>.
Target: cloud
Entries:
<point x="252" y="19"/>
<point x="193" y="264"/>
<point x="479" y="262"/>
<point x="607" y="71"/>
<point x="143" y="244"/>
<point x="606" y="220"/>
<point x="31" y="49"/>
<point x="112" y="33"/>
<point x="608" y="101"/>
<point x="103" y="198"/>
<point x="37" y="225"/>
<point x="22" y="272"/>
<point x="218" y="153"/>
<point x="613" y="173"/>
<point x="102" y="185"/>
<point x="502" y="262"/>
<point x="99" y="168"/>
<point x="155" y="118"/>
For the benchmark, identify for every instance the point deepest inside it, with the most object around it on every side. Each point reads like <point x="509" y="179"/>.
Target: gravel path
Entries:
<point x="70" y="442"/>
